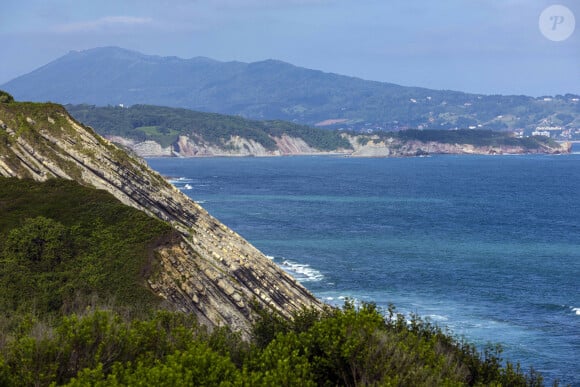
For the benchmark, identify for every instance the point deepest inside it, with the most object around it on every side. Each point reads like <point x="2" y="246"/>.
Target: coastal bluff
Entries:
<point x="361" y="146"/>
<point x="210" y="271"/>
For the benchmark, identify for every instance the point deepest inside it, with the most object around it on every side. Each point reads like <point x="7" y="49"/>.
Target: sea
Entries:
<point x="485" y="246"/>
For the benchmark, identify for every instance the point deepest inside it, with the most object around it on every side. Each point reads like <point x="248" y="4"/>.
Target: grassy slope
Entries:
<point x="164" y="125"/>
<point x="102" y="247"/>
<point x="475" y="137"/>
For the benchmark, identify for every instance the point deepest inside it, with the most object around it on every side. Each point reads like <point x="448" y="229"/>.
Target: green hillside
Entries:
<point x="474" y="137"/>
<point x="62" y="243"/>
<point x="164" y="125"/>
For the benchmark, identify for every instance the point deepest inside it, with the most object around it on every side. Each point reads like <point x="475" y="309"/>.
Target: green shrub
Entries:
<point x="61" y="243"/>
<point x="5" y="97"/>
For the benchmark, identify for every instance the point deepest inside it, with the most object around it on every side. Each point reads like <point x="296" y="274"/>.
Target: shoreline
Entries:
<point x="348" y="155"/>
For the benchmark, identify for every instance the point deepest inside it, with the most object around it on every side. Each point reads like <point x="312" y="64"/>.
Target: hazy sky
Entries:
<point x="484" y="46"/>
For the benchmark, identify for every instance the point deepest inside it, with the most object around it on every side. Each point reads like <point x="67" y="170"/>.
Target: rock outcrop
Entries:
<point x="187" y="146"/>
<point x="211" y="272"/>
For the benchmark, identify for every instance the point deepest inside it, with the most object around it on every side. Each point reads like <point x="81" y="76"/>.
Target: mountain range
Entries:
<point x="273" y="89"/>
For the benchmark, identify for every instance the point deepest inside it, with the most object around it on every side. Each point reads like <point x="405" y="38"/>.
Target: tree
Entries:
<point x="40" y="244"/>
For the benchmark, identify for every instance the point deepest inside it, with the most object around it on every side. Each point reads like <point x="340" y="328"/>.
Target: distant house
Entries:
<point x="544" y="133"/>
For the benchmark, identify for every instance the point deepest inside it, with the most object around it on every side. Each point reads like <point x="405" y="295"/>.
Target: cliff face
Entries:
<point x="211" y="272"/>
<point x="363" y="146"/>
<point x="235" y="146"/>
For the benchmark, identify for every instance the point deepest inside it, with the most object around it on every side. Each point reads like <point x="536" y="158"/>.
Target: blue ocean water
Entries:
<point x="487" y="246"/>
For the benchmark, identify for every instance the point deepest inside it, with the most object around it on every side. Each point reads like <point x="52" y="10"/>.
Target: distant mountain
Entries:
<point x="276" y="90"/>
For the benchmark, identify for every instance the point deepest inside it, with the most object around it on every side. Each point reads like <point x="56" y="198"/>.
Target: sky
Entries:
<point x="481" y="46"/>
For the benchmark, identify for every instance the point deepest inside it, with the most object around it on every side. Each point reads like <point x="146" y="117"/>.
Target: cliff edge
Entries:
<point x="211" y="271"/>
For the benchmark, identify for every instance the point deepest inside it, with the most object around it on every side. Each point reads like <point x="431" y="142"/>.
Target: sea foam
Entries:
<point x="301" y="271"/>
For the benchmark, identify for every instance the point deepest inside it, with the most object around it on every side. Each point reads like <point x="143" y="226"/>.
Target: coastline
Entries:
<point x="380" y="153"/>
<point x="360" y="147"/>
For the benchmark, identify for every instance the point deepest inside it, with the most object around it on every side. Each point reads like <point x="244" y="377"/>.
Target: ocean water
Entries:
<point x="486" y="246"/>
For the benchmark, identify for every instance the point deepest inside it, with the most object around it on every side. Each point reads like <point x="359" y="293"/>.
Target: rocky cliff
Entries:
<point x="362" y="146"/>
<point x="211" y="272"/>
<point x="187" y="146"/>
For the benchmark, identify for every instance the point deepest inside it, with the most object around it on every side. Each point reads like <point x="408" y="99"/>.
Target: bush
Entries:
<point x="5" y="97"/>
<point x="61" y="243"/>
<point x="349" y="346"/>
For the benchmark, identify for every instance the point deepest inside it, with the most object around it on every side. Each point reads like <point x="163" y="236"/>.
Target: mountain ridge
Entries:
<point x="272" y="89"/>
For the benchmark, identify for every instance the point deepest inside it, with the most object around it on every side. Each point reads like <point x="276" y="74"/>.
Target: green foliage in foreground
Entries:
<point x="349" y="346"/>
<point x="61" y="243"/>
<point x="164" y="125"/>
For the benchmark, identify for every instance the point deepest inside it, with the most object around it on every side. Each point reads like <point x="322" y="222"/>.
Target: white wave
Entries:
<point x="271" y="258"/>
<point x="201" y="201"/>
<point x="575" y="310"/>
<point x="302" y="272"/>
<point x="437" y="317"/>
<point x="177" y="180"/>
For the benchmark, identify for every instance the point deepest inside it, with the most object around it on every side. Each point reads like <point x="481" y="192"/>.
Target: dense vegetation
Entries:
<point x="61" y="244"/>
<point x="474" y="137"/>
<point x="277" y="90"/>
<point x="164" y="125"/>
<point x="347" y="347"/>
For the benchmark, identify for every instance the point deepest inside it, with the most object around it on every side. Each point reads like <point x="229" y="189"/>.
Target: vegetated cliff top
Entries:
<point x="272" y="89"/>
<point x="209" y="270"/>
<point x="64" y="246"/>
<point x="166" y="126"/>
